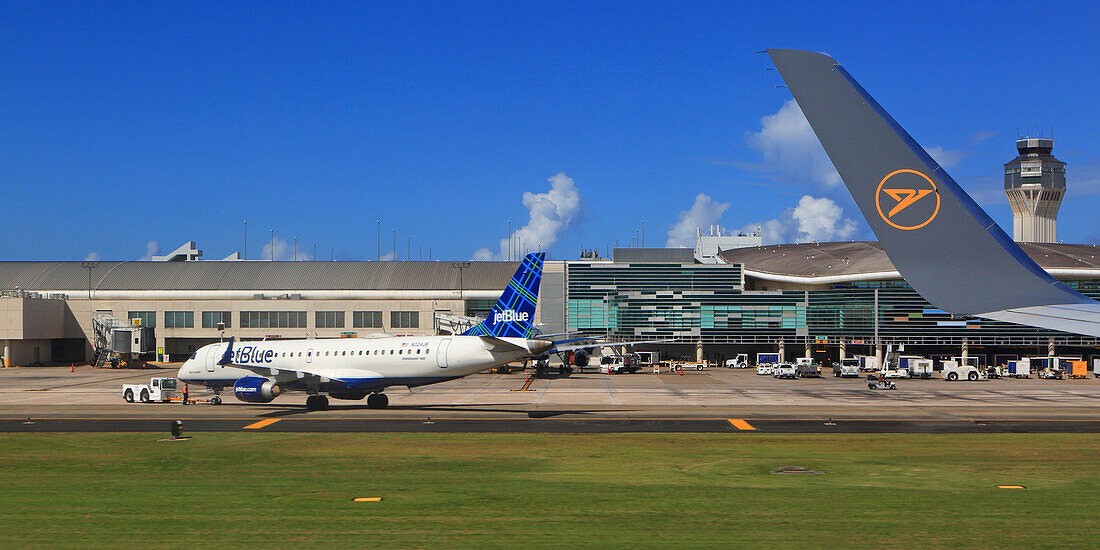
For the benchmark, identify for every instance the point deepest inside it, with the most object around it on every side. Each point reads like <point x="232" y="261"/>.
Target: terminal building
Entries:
<point x="729" y="295"/>
<point x="824" y="300"/>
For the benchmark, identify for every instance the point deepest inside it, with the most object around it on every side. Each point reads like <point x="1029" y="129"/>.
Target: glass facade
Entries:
<point x="210" y="319"/>
<point x="366" y="319"/>
<point x="148" y="318"/>
<point x="179" y="319"/>
<point x="273" y="319"/>
<point x="690" y="303"/>
<point x="329" y="319"/>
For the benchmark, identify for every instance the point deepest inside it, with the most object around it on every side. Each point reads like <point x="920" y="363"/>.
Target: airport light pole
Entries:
<point x="89" y="266"/>
<point x="461" y="266"/>
<point x="244" y="251"/>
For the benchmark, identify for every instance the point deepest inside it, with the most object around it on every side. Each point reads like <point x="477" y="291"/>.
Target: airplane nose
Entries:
<point x="538" y="347"/>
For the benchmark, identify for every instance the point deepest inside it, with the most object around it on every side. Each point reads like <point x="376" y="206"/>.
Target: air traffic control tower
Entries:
<point x="1035" y="183"/>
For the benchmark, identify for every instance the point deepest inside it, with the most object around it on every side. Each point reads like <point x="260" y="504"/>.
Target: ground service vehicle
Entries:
<point x="952" y="371"/>
<point x="619" y="364"/>
<point x="739" y="362"/>
<point x="920" y="368"/>
<point x="1050" y="374"/>
<point x="808" y="370"/>
<point x="847" y="368"/>
<point x="785" y="370"/>
<point x="158" y="389"/>
<point x="765" y="369"/>
<point x="868" y="363"/>
<point x="874" y="383"/>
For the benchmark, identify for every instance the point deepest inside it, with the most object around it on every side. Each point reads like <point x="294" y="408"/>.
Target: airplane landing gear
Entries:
<point x="377" y="401"/>
<point x="217" y="399"/>
<point x="317" y="403"/>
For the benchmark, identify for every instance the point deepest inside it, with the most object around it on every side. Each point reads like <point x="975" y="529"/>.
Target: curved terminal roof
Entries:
<point x="819" y="263"/>
<point x="256" y="275"/>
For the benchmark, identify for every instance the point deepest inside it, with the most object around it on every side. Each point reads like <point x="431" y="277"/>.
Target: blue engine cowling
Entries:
<point x="254" y="389"/>
<point x="580" y="358"/>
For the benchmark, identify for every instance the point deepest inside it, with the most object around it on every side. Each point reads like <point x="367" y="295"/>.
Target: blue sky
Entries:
<point x="126" y="123"/>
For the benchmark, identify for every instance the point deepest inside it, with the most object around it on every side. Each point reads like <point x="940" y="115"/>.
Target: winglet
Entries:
<point x="944" y="245"/>
<point x="227" y="357"/>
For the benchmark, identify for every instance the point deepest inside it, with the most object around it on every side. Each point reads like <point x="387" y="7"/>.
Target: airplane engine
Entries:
<point x="254" y="389"/>
<point x="580" y="358"/>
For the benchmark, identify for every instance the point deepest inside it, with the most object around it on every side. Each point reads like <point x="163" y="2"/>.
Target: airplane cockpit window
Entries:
<point x="193" y="355"/>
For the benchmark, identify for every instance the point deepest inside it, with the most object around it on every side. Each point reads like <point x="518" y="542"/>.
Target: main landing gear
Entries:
<point x="377" y="401"/>
<point x="317" y="403"/>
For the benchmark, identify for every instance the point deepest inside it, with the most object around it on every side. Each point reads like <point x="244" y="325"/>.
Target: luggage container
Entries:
<point x="1078" y="369"/>
<point x="767" y="358"/>
<point x="920" y="368"/>
<point x="1019" y="368"/>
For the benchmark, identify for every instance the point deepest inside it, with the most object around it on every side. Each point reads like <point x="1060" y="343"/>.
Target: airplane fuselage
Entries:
<point x="352" y="365"/>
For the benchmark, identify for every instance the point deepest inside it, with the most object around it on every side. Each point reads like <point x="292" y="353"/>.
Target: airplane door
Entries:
<point x="441" y="353"/>
<point x="210" y="353"/>
<point x="309" y="355"/>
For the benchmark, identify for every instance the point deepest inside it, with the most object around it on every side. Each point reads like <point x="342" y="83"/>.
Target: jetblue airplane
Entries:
<point x="354" y="368"/>
<point x="944" y="245"/>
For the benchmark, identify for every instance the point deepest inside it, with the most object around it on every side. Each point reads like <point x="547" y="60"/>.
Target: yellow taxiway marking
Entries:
<point x="262" y="423"/>
<point x="1011" y="487"/>
<point x="367" y="499"/>
<point x="740" y="424"/>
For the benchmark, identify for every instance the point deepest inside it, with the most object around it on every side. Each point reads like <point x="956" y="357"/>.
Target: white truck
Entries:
<point x="740" y="362"/>
<point x="867" y="363"/>
<point x="158" y="389"/>
<point x="785" y="370"/>
<point x="952" y="371"/>
<point x="847" y="368"/>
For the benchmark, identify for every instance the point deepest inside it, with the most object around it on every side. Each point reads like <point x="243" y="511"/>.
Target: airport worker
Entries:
<point x="185" y="396"/>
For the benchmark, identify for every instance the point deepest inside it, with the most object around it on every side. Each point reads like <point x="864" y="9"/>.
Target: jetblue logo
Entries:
<point x="510" y="316"/>
<point x="250" y="354"/>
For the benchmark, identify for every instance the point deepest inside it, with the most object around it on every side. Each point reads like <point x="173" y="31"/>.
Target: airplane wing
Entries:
<point x="601" y="344"/>
<point x="944" y="245"/>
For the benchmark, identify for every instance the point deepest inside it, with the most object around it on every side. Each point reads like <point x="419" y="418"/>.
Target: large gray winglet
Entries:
<point x="940" y="240"/>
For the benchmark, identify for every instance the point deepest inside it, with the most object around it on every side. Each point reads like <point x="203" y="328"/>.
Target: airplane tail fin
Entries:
<point x="947" y="248"/>
<point x="514" y="313"/>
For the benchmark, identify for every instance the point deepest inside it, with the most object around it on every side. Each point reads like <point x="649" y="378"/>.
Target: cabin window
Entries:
<point x="400" y="351"/>
<point x="418" y="351"/>
<point x="343" y="353"/>
<point x="310" y="354"/>
<point x="326" y="354"/>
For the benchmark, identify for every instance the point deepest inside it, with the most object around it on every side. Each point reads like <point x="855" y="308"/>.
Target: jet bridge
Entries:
<point x="117" y="342"/>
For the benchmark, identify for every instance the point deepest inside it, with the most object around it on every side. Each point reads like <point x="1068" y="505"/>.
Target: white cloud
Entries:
<point x="388" y="257"/>
<point x="551" y="213"/>
<point x="93" y="257"/>
<point x="791" y="150"/>
<point x="812" y="219"/>
<point x="151" y="249"/>
<point x="283" y="252"/>
<point x="703" y="212"/>
<point x="946" y="158"/>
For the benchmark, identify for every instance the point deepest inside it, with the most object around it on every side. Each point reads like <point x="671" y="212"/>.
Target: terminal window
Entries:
<point x="366" y="319"/>
<point x="330" y="319"/>
<point x="404" y="319"/>
<point x="179" y="319"/>
<point x="210" y="319"/>
<point x="148" y="318"/>
<point x="273" y="319"/>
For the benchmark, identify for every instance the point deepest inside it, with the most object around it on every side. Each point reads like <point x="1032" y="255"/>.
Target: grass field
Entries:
<point x="504" y="490"/>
